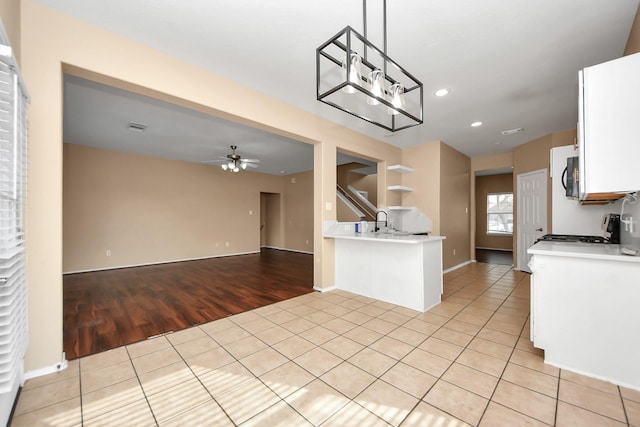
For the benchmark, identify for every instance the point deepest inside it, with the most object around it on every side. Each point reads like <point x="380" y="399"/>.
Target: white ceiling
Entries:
<point x="509" y="64"/>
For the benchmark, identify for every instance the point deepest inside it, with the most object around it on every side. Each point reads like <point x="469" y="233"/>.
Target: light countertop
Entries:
<point x="386" y="237"/>
<point x="598" y="251"/>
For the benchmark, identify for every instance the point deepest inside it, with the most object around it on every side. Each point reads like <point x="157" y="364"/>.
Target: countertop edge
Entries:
<point x="386" y="238"/>
<point x="575" y="250"/>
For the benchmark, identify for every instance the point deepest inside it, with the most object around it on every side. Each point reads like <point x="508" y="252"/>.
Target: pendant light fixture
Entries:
<point x="354" y="76"/>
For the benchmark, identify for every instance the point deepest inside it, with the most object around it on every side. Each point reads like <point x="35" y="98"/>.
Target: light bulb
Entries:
<point x="231" y="165"/>
<point x="376" y="80"/>
<point x="396" y="93"/>
<point x="224" y="167"/>
<point x="355" y="76"/>
<point x="243" y="165"/>
<point x="236" y="169"/>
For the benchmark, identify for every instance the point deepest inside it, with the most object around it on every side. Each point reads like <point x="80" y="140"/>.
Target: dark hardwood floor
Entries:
<point x="494" y="257"/>
<point x="111" y="308"/>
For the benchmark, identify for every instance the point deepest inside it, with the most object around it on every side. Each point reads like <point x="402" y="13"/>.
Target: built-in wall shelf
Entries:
<point x="400" y="188"/>
<point x="400" y="168"/>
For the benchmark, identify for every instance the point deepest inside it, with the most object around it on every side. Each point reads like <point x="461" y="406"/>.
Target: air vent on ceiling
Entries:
<point x="511" y="131"/>
<point x="136" y="127"/>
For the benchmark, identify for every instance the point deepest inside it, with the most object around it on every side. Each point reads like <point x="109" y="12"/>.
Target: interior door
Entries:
<point x="532" y="213"/>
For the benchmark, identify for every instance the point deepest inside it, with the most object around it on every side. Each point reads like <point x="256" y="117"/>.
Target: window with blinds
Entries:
<point x="13" y="292"/>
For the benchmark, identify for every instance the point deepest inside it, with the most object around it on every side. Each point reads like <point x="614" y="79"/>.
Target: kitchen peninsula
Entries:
<point x="395" y="267"/>
<point x="584" y="309"/>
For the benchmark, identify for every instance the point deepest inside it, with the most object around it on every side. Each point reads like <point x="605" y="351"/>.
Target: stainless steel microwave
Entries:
<point x="570" y="178"/>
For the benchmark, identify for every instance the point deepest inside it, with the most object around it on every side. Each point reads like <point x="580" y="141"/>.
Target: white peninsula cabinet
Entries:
<point x="585" y="309"/>
<point x="398" y="268"/>
<point x="608" y="131"/>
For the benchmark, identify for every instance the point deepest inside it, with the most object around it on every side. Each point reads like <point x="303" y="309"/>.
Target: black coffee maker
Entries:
<point x="611" y="227"/>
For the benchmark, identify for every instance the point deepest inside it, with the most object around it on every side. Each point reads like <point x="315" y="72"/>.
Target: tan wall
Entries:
<point x="441" y="184"/>
<point x="147" y="209"/>
<point x="532" y="156"/>
<point x="345" y="213"/>
<point x="454" y="206"/>
<point x="485" y="163"/>
<point x="633" y="43"/>
<point x="368" y="183"/>
<point x="562" y="138"/>
<point x="502" y="183"/>
<point x="53" y="42"/>
<point x="425" y="180"/>
<point x="492" y="162"/>
<point x="298" y="211"/>
<point x="10" y="15"/>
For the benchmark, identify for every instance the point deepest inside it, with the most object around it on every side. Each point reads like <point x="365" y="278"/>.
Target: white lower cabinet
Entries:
<point x="585" y="313"/>
<point x="405" y="274"/>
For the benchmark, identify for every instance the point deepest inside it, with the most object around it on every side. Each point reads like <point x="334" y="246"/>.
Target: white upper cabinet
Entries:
<point x="609" y="127"/>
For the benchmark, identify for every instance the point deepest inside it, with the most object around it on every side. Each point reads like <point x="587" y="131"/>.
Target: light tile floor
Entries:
<point x="338" y="359"/>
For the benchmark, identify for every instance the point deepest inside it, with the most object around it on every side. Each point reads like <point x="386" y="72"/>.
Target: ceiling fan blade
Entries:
<point x="251" y="165"/>
<point x="250" y="160"/>
<point x="215" y="161"/>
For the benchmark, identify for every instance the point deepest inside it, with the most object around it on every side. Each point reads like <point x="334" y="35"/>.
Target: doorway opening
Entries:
<point x="161" y="221"/>
<point x="494" y="216"/>
<point x="357" y="188"/>
<point x="270" y="221"/>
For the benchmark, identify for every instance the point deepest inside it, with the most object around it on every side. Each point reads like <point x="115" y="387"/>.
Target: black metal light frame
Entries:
<point x="333" y="69"/>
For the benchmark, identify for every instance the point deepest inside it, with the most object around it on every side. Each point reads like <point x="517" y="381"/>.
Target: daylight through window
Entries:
<point x="500" y="213"/>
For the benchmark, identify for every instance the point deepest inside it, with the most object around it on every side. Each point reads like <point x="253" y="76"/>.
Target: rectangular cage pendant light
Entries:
<point x="354" y="76"/>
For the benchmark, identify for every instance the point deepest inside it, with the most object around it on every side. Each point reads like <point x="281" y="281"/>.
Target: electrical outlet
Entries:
<point x="226" y="243"/>
<point x="307" y="241"/>
<point x="454" y="251"/>
<point x="108" y="253"/>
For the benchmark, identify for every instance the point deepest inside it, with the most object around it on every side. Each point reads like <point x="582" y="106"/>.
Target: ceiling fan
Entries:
<point x="234" y="162"/>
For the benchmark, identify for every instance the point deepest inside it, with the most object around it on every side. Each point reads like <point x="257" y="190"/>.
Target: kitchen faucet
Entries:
<point x="386" y="218"/>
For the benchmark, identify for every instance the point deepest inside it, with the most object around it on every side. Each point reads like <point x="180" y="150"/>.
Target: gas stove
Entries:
<point x="572" y="238"/>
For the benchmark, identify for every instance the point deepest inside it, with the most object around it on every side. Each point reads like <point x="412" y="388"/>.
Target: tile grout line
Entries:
<point x="507" y="364"/>
<point x="555" y="415"/>
<point x="440" y="378"/>
<point x="624" y="407"/>
<point x="80" y="388"/>
<point x="144" y="393"/>
<point x="280" y="399"/>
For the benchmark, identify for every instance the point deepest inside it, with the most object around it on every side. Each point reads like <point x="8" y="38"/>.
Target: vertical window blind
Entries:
<point x="13" y="156"/>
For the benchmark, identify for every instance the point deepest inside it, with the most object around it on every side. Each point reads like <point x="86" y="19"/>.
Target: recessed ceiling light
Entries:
<point x="442" y="92"/>
<point x="476" y="124"/>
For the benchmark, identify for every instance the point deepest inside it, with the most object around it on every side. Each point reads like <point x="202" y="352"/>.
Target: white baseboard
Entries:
<point x="332" y="288"/>
<point x="159" y="262"/>
<point x="48" y="369"/>
<point x="287" y="249"/>
<point x="455" y="267"/>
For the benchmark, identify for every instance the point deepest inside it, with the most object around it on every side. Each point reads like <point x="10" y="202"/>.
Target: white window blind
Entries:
<point x="13" y="155"/>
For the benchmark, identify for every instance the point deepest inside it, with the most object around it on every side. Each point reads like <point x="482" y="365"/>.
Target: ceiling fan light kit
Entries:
<point x="234" y="162"/>
<point x="354" y="76"/>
